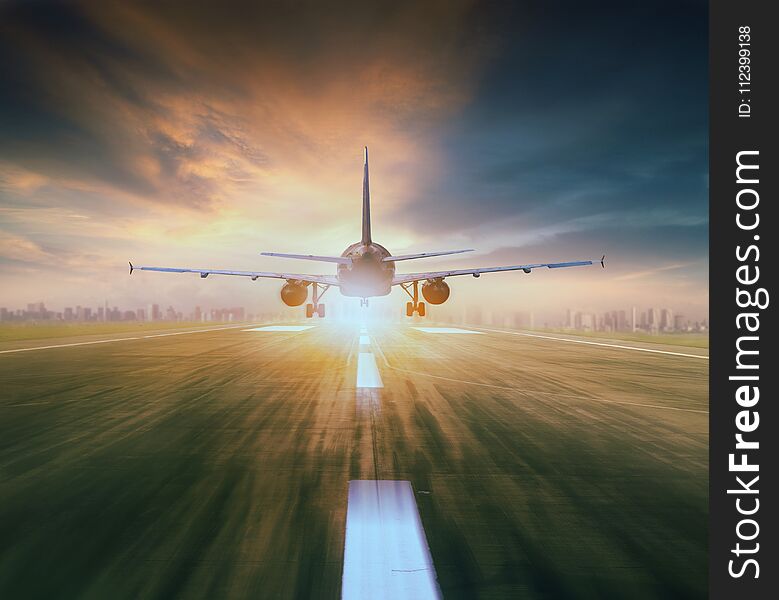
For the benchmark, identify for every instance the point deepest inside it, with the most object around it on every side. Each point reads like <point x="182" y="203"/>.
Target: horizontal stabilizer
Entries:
<point x="423" y="255"/>
<point x="341" y="260"/>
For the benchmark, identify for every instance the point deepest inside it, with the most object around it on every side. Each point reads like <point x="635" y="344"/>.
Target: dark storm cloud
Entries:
<point x="92" y="90"/>
<point x="47" y="48"/>
<point x="588" y="108"/>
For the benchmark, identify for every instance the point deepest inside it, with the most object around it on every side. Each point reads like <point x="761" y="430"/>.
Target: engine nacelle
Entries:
<point x="436" y="292"/>
<point x="293" y="294"/>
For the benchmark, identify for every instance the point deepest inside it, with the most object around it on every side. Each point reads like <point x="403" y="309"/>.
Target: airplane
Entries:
<point x="366" y="270"/>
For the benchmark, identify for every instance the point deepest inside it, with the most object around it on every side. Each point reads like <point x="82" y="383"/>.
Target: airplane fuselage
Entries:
<point x="367" y="275"/>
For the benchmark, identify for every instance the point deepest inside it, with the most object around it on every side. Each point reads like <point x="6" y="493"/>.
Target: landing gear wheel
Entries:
<point x="321" y="311"/>
<point x="421" y="309"/>
<point x="409" y="309"/>
<point x="309" y="311"/>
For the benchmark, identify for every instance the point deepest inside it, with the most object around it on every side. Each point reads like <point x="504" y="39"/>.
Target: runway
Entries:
<point x="217" y="464"/>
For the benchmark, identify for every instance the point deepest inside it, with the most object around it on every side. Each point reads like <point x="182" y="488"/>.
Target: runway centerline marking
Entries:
<point x="367" y="371"/>
<point x="124" y="339"/>
<point x="386" y="554"/>
<point x="454" y="330"/>
<point x="365" y="340"/>
<point x="281" y="328"/>
<point x="589" y="343"/>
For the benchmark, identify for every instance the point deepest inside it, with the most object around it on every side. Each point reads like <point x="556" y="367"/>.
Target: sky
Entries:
<point x="200" y="134"/>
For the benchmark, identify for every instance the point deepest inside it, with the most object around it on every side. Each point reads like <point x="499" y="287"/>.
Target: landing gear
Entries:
<point x="315" y="308"/>
<point x="363" y="302"/>
<point x="415" y="306"/>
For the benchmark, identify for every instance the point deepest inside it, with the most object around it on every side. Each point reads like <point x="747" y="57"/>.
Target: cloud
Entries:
<point x="651" y="272"/>
<point x="169" y="107"/>
<point x="16" y="248"/>
<point x="202" y="135"/>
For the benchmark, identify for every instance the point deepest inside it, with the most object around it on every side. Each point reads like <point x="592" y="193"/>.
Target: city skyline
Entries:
<point x="652" y="320"/>
<point x="37" y="311"/>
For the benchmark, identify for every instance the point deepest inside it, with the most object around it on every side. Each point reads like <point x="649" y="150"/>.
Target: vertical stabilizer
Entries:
<point x="366" y="204"/>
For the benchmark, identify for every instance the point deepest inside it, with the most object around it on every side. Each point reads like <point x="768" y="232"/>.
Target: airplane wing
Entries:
<point x="410" y="277"/>
<point x="341" y="260"/>
<point x="254" y="275"/>
<point x="422" y="255"/>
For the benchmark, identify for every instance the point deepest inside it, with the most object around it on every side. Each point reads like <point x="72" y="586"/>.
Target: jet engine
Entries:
<point x="436" y="291"/>
<point x="294" y="294"/>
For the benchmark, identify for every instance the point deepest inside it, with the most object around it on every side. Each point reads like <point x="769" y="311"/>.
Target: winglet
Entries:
<point x="131" y="267"/>
<point x="603" y="261"/>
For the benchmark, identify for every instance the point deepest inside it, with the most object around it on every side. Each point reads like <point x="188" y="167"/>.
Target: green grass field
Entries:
<point x="10" y="332"/>
<point x="216" y="464"/>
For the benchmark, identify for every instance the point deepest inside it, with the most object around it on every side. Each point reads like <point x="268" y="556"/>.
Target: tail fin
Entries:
<point x="366" y="204"/>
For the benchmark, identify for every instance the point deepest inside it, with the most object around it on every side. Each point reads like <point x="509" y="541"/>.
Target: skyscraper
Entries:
<point x="153" y="312"/>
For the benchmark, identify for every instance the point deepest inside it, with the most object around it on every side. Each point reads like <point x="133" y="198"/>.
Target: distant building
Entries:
<point x="473" y="314"/>
<point x="522" y="320"/>
<point x="666" y="319"/>
<point x="653" y="320"/>
<point x="37" y="310"/>
<point x="154" y="313"/>
<point x="587" y="322"/>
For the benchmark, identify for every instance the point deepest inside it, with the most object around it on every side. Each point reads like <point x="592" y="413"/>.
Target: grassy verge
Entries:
<point x="10" y="332"/>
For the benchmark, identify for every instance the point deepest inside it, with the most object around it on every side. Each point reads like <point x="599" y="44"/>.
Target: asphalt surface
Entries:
<point x="217" y="464"/>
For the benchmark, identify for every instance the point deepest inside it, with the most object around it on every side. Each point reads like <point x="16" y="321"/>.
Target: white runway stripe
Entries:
<point x="446" y="330"/>
<point x="365" y="340"/>
<point x="385" y="551"/>
<point x="125" y="339"/>
<point x="281" y="328"/>
<point x="618" y="346"/>
<point x="69" y="345"/>
<point x="367" y="372"/>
